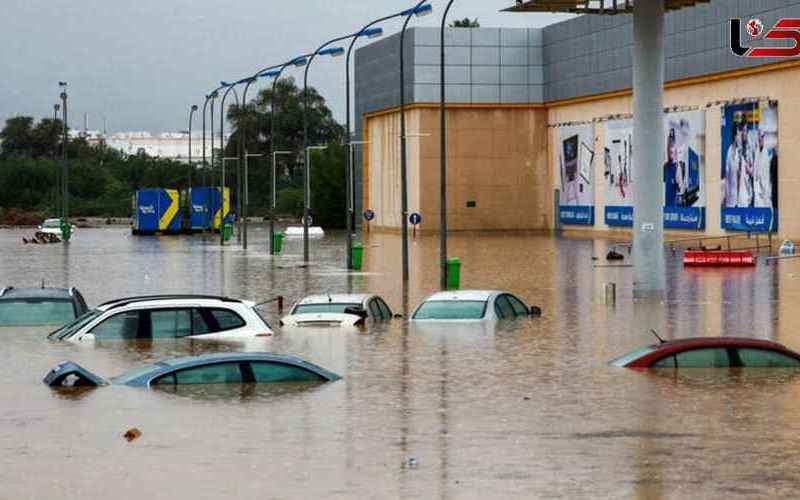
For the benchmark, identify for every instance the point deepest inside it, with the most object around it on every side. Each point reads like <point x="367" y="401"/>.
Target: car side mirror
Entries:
<point x="356" y="311"/>
<point x="535" y="311"/>
<point x="398" y="316"/>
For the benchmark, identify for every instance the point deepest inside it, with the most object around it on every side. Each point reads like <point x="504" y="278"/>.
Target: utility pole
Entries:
<point x="64" y="165"/>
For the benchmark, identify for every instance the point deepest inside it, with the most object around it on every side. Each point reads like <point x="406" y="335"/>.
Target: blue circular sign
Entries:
<point x="415" y="218"/>
<point x="369" y="215"/>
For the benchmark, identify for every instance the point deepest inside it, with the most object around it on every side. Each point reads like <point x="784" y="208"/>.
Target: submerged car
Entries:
<point x="167" y="317"/>
<point x="53" y="226"/>
<point x="223" y="368"/>
<point x="337" y="310"/>
<point x="711" y="352"/>
<point x="34" y="307"/>
<point x="472" y="305"/>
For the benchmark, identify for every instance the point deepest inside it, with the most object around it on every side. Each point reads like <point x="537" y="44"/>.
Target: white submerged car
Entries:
<point x="297" y="232"/>
<point x="167" y="317"/>
<point x="472" y="305"/>
<point x="53" y="226"/>
<point x="337" y="310"/>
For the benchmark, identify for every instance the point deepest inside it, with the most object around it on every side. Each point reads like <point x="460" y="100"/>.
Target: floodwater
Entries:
<point x="526" y="409"/>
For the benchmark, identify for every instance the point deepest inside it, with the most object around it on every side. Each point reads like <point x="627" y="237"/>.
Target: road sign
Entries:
<point x="369" y="215"/>
<point x="415" y="218"/>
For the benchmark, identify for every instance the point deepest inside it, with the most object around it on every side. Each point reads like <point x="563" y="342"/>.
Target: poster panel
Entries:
<point x="684" y="170"/>
<point x="750" y="167"/>
<point x="576" y="164"/>
<point x="618" y="173"/>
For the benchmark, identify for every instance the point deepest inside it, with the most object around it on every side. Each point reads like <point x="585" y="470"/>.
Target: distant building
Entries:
<point x="168" y="145"/>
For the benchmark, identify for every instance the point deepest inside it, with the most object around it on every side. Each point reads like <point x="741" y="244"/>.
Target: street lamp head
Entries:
<point x="62" y="84"/>
<point x="332" y="51"/>
<point x="270" y="74"/>
<point x="225" y="84"/>
<point x="56" y="106"/>
<point x="245" y="80"/>
<point x="423" y="10"/>
<point x="194" y="107"/>
<point x="372" y="33"/>
<point x="300" y="62"/>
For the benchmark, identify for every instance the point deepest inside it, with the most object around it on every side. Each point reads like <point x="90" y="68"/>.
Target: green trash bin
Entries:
<point x="66" y="230"/>
<point x="277" y="243"/>
<point x="357" y="256"/>
<point x="453" y="273"/>
<point x="227" y="232"/>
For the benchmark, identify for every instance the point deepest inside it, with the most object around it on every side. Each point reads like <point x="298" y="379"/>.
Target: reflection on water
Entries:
<point x="527" y="408"/>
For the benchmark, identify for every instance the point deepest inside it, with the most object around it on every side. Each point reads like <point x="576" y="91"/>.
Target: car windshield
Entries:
<point x="633" y="355"/>
<point x="32" y="312"/>
<point x="322" y="308"/>
<point x="451" y="309"/>
<point x="70" y="329"/>
<point x="52" y="223"/>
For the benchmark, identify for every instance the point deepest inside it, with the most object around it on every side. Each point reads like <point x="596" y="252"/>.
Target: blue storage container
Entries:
<point x="156" y="210"/>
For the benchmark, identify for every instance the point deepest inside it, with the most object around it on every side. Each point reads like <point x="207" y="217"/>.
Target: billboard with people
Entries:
<point x="750" y="167"/>
<point x="576" y="161"/>
<point x="684" y="170"/>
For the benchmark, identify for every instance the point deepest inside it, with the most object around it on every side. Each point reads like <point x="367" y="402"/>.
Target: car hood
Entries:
<point x="42" y="330"/>
<point x="322" y="319"/>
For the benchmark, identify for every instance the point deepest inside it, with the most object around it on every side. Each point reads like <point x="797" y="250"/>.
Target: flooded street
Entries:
<point x="525" y="409"/>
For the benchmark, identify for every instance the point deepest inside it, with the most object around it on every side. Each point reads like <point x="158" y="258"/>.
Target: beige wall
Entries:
<point x="505" y="157"/>
<point x="497" y="158"/>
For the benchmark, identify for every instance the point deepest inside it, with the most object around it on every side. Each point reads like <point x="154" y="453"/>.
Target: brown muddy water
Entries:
<point x="525" y="409"/>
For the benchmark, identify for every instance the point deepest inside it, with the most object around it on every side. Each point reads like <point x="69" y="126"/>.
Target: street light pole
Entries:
<point x="57" y="200"/>
<point x="443" y="164"/>
<point x="64" y="165"/>
<point x="192" y="111"/>
<point x="403" y="152"/>
<point x="334" y="52"/>
<point x="228" y="90"/>
<point x="214" y="96"/>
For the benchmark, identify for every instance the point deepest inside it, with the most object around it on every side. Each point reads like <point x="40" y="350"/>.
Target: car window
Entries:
<point x="226" y="319"/>
<point x="277" y="372"/>
<point x="27" y="312"/>
<point x="72" y="328"/>
<point x="667" y="362"/>
<point x="385" y="311"/>
<point x="170" y="323"/>
<point x="763" y="358"/>
<point x="322" y="308"/>
<point x="451" y="309"/>
<point x="503" y="307"/>
<point x="219" y="373"/>
<point x="122" y="326"/>
<point x="200" y="322"/>
<point x="520" y="309"/>
<point x="710" y="357"/>
<point x="374" y="309"/>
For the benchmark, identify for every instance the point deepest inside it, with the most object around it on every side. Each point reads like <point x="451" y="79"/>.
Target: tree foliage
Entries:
<point x="465" y="23"/>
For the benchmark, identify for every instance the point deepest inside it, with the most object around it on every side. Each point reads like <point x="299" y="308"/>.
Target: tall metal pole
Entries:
<point x="222" y="149"/>
<point x="205" y="165"/>
<point x="443" y="160"/>
<point x="57" y="201"/>
<point x="192" y="111"/>
<point x="648" y="145"/>
<point x="221" y="193"/>
<point x="404" y="159"/>
<point x="64" y="165"/>
<point x="273" y="118"/>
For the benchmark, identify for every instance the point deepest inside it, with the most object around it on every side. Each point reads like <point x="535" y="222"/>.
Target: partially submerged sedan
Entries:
<point x="222" y="368"/>
<point x="337" y="310"/>
<point x="472" y="305"/>
<point x="711" y="352"/>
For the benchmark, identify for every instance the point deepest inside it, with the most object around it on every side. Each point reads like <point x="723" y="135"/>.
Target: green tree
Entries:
<point x="465" y="23"/>
<point x="17" y="135"/>
<point x="328" y="186"/>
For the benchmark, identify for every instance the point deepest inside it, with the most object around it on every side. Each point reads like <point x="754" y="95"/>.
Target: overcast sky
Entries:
<point x="142" y="63"/>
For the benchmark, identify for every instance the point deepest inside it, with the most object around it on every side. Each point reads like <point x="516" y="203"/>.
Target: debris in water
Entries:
<point x="132" y="434"/>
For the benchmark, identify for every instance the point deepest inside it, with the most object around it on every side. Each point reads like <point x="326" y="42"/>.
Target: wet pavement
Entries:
<point x="528" y="408"/>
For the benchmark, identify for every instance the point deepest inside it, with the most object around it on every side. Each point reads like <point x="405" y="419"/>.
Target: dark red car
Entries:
<point x="711" y="352"/>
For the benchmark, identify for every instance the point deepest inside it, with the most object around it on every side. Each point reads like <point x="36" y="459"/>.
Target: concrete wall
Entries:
<point x="496" y="163"/>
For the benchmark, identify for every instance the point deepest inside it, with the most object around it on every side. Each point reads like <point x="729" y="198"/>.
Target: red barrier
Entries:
<point x="735" y="258"/>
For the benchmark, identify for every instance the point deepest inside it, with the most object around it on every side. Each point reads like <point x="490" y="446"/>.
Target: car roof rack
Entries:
<point x="113" y="304"/>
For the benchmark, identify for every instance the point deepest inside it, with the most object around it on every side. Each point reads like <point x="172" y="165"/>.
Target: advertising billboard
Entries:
<point x="750" y="167"/>
<point x="618" y="173"/>
<point x="684" y="170"/>
<point x="576" y="161"/>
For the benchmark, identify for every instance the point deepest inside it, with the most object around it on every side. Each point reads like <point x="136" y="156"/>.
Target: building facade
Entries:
<point x="539" y="132"/>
